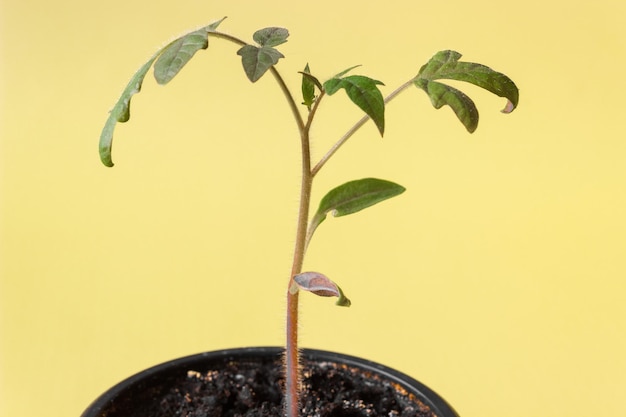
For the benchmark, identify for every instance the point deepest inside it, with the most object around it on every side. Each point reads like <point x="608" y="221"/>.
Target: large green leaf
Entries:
<point x="446" y="65"/>
<point x="352" y="197"/>
<point x="364" y="92"/>
<point x="175" y="52"/>
<point x="174" y="57"/>
<point x="256" y="61"/>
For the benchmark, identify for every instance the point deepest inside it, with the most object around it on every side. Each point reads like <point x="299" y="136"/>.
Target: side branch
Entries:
<point x="354" y="129"/>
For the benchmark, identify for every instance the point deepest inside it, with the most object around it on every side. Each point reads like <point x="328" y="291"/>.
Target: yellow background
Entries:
<point x="497" y="279"/>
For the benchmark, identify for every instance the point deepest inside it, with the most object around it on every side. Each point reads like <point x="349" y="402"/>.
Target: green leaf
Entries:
<point x="308" y="87"/>
<point x="347" y="70"/>
<point x="174" y="56"/>
<point x="121" y="110"/>
<point x="256" y="61"/>
<point x="314" y="80"/>
<point x="352" y="197"/>
<point x="446" y="65"/>
<point x="272" y="36"/>
<point x="321" y="285"/>
<point x="364" y="92"/>
<point x="211" y="27"/>
<point x="441" y="94"/>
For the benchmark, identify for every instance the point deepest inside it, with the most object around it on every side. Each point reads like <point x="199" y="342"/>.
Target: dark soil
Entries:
<point x="250" y="390"/>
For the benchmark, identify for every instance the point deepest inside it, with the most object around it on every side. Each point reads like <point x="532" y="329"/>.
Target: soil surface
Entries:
<point x="245" y="390"/>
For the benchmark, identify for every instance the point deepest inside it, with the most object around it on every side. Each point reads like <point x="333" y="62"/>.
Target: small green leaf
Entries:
<point x="321" y="285"/>
<point x="256" y="61"/>
<point x="308" y="87"/>
<point x="314" y="80"/>
<point x="272" y="36"/>
<point x="363" y="92"/>
<point x="446" y="65"/>
<point x="174" y="56"/>
<point x="352" y="197"/>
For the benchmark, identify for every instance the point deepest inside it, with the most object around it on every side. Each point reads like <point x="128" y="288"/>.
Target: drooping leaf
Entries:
<point x="121" y="110"/>
<point x="308" y="87"/>
<point x="442" y="94"/>
<point x="321" y="285"/>
<point x="446" y="65"/>
<point x="174" y="57"/>
<point x="272" y="36"/>
<point x="256" y="61"/>
<point x="364" y="92"/>
<point x="352" y="197"/>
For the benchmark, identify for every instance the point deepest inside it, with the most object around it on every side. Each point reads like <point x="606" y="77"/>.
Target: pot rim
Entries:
<point x="143" y="378"/>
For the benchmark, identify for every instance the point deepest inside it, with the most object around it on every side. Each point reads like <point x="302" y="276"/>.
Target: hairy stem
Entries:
<point x="292" y="366"/>
<point x="354" y="129"/>
<point x="291" y="352"/>
<point x="292" y="377"/>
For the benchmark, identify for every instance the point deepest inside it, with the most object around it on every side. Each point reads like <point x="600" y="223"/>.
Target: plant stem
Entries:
<point x="355" y="128"/>
<point x="291" y="352"/>
<point x="228" y="37"/>
<point x="292" y="359"/>
<point x="292" y="367"/>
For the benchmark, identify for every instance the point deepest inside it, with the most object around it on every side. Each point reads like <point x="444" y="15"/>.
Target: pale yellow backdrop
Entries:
<point x="498" y="279"/>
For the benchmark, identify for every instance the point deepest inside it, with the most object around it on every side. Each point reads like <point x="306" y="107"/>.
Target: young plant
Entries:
<point x="351" y="197"/>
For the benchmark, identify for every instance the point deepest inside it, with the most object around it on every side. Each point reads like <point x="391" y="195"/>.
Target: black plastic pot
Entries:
<point x="143" y="390"/>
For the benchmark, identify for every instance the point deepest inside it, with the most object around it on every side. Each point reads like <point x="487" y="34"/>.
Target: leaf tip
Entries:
<point x="509" y="107"/>
<point x="343" y="301"/>
<point x="105" y="157"/>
